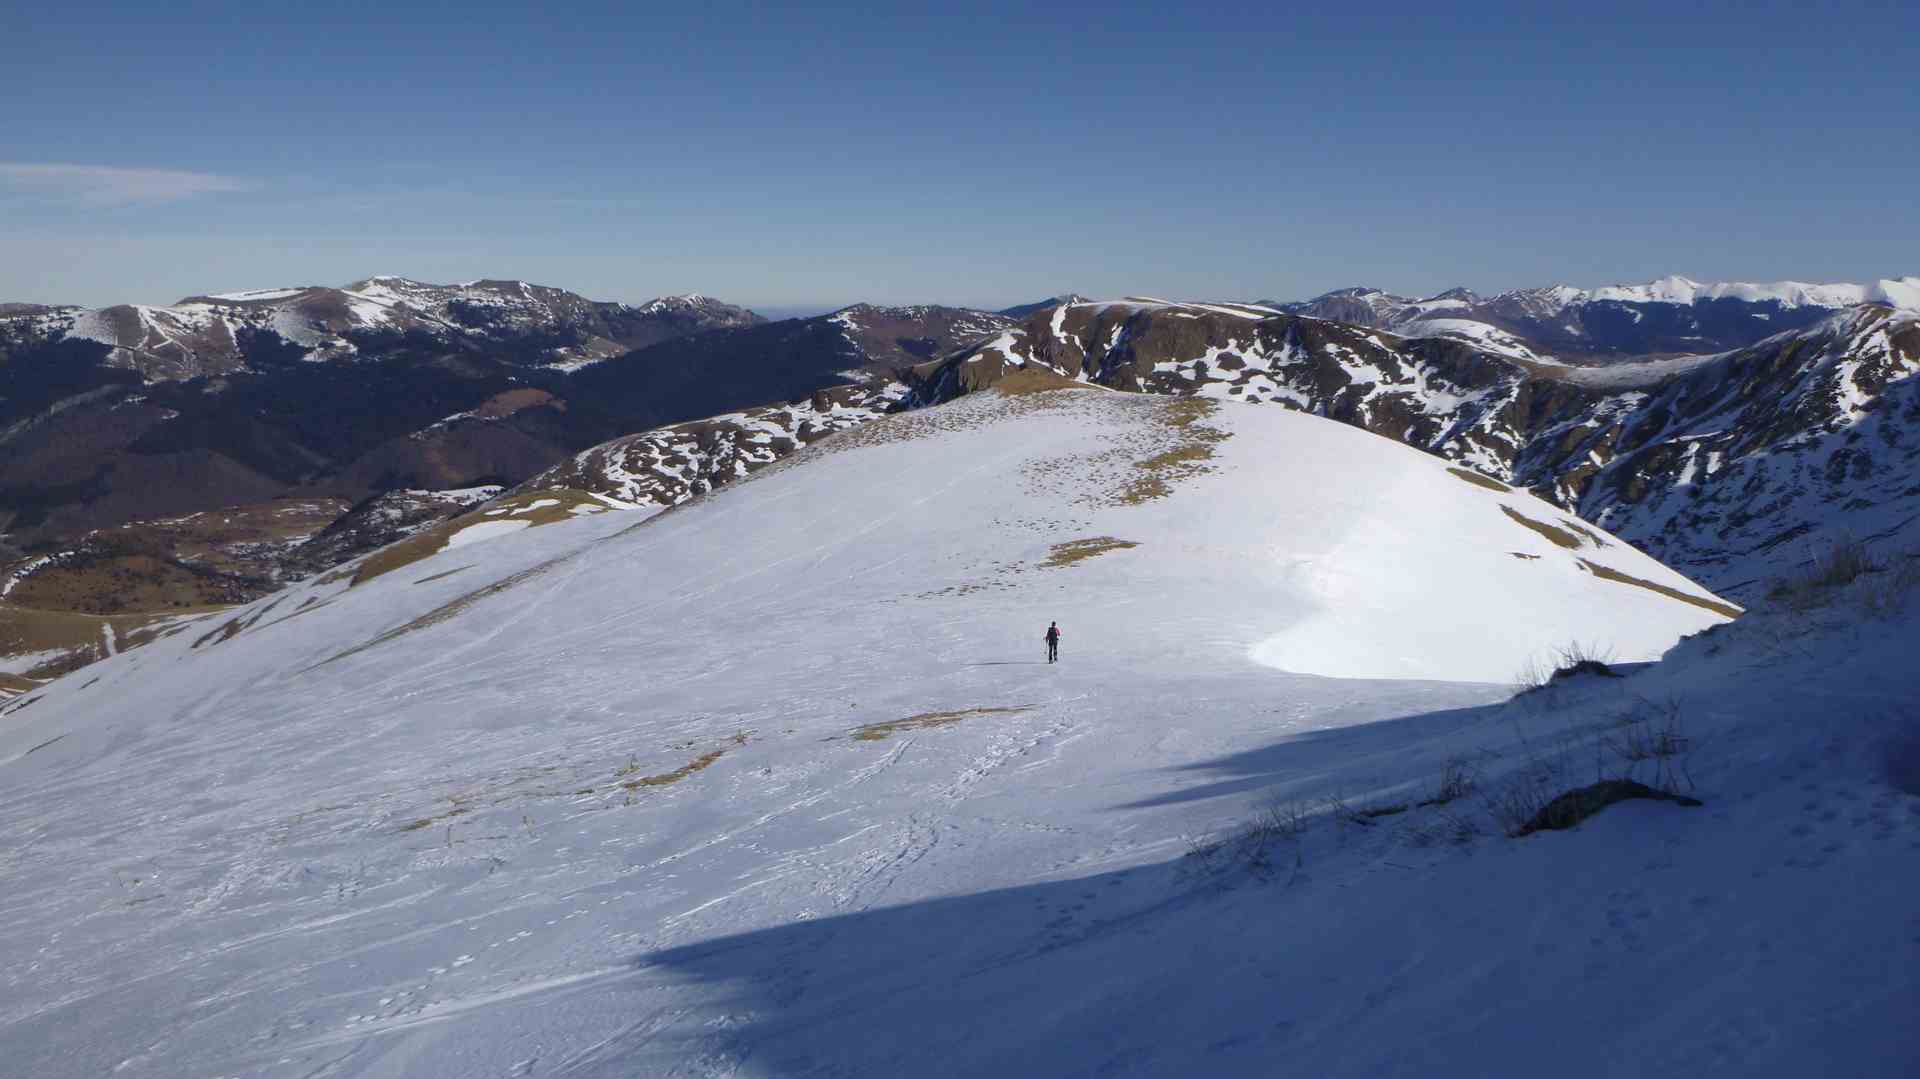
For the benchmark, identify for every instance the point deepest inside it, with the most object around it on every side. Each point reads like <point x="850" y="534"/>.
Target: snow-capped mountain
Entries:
<point x="136" y="413"/>
<point x="183" y="485"/>
<point x="666" y="466"/>
<point x="1734" y="468"/>
<point x="217" y="334"/>
<point x="1019" y="311"/>
<point x="497" y="801"/>
<point x="1671" y="315"/>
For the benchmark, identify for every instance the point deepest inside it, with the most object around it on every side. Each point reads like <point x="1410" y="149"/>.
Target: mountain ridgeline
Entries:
<point x="232" y="443"/>
<point x="135" y="413"/>
<point x="1732" y="468"/>
<point x="1673" y="315"/>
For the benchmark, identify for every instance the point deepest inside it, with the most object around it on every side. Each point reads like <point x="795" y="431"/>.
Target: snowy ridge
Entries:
<point x="1904" y="292"/>
<point x="508" y="795"/>
<point x="1486" y="336"/>
<point x="1669" y="315"/>
<point x="1768" y="464"/>
<point x="666" y="466"/>
<point x="200" y="335"/>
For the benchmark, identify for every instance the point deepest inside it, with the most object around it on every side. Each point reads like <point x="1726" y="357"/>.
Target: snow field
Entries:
<point x="588" y="798"/>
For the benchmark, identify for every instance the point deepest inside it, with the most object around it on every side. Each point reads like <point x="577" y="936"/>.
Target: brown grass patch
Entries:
<point x="76" y="637"/>
<point x="1558" y="536"/>
<point x="218" y="558"/>
<point x="675" y="776"/>
<point x="235" y="626"/>
<point x="1035" y="379"/>
<point x="12" y="685"/>
<point x="447" y="610"/>
<point x="1607" y="574"/>
<point x="432" y="541"/>
<point x="1594" y="537"/>
<point x="1066" y="554"/>
<point x="1186" y="458"/>
<point x="423" y="822"/>
<point x="874" y="732"/>
<point x="1478" y="480"/>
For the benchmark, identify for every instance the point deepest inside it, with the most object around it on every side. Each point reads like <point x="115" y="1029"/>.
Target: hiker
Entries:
<point x="1053" y="642"/>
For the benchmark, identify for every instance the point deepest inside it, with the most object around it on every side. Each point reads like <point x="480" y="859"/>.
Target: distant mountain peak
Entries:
<point x="208" y="334"/>
<point x="1025" y="309"/>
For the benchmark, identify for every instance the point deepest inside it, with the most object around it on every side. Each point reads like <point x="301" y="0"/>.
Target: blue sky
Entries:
<point x="793" y="157"/>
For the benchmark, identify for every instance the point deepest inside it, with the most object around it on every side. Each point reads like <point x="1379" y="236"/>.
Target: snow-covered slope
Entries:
<point x="208" y="335"/>
<point x="1733" y="467"/>
<point x="666" y="466"/>
<point x="1904" y="292"/>
<point x="500" y="810"/>
<point x="1671" y="314"/>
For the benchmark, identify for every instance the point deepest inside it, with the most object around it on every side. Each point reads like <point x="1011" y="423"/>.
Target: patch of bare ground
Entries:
<point x="1187" y="457"/>
<point x="211" y="558"/>
<point x="1558" y="536"/>
<point x="1593" y="537"/>
<point x="1571" y="808"/>
<point x="1066" y="554"/>
<point x="437" y="576"/>
<point x="675" y="776"/>
<point x="1478" y="480"/>
<point x="426" y="822"/>
<point x="970" y="587"/>
<point x="874" y="732"/>
<point x="1032" y="379"/>
<point x="12" y="685"/>
<point x="76" y="639"/>
<point x="447" y="610"/>
<point x="1606" y="573"/>
<point x="663" y="779"/>
<point x="235" y="626"/>
<point x="536" y="508"/>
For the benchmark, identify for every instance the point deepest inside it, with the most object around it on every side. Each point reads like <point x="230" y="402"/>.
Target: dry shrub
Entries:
<point x="1253" y="845"/>
<point x="1843" y="562"/>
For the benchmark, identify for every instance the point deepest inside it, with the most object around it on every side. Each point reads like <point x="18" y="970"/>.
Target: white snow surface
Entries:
<point x="258" y="294"/>
<point x="485" y="530"/>
<point x="590" y="804"/>
<point x="1487" y="336"/>
<point x="1900" y="292"/>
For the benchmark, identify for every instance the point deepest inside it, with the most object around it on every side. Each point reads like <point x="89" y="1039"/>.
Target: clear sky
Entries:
<point x="803" y="155"/>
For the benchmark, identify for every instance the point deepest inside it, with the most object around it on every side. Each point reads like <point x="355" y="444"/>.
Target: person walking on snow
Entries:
<point x="1053" y="642"/>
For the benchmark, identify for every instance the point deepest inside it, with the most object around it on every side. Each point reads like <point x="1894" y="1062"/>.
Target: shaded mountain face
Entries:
<point x="139" y="413"/>
<point x="729" y="370"/>
<point x="823" y="374"/>
<point x="1731" y="468"/>
<point x="1671" y="315"/>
